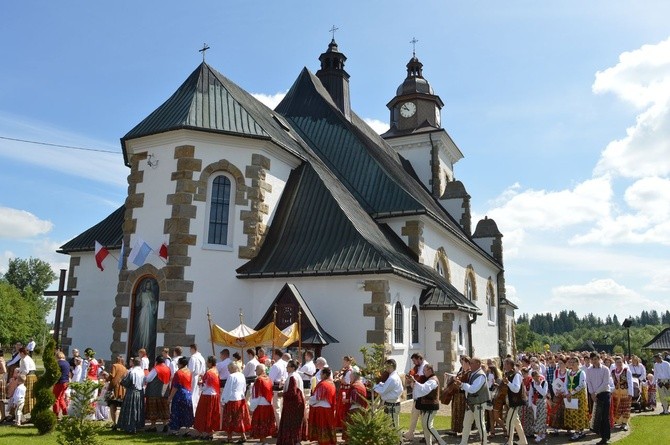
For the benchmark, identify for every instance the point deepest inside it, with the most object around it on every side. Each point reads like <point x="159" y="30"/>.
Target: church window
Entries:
<point x="219" y="211"/>
<point x="460" y="335"/>
<point x="490" y="304"/>
<point x="469" y="291"/>
<point x="399" y="322"/>
<point x="440" y="269"/>
<point x="415" y="325"/>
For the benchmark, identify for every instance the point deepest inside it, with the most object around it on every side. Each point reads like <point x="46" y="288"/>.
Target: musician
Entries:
<point x="343" y="378"/>
<point x="477" y="396"/>
<point x="390" y="392"/>
<point x="427" y="402"/>
<point x="512" y="379"/>
<point x="458" y="400"/>
<point x="415" y="375"/>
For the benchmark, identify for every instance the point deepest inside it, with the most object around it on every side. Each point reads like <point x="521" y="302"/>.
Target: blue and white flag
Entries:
<point x="123" y="252"/>
<point x="141" y="250"/>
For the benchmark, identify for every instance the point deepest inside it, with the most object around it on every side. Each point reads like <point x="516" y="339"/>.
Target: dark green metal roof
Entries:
<point x="208" y="101"/>
<point x="108" y="232"/>
<point x="660" y="342"/>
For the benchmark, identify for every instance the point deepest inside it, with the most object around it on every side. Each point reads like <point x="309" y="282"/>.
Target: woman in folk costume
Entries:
<point x="576" y="419"/>
<point x="235" y="414"/>
<point x="322" y="420"/>
<point x="157" y="382"/>
<point x="560" y="387"/>
<point x="180" y="399"/>
<point x="623" y="393"/>
<point x="538" y="397"/>
<point x="263" y="422"/>
<point x="639" y="372"/>
<point x="356" y="400"/>
<point x="651" y="391"/>
<point x="343" y="379"/>
<point x="131" y="417"/>
<point x="526" y="412"/>
<point x="207" y="414"/>
<point x="27" y="368"/>
<point x="292" y="423"/>
<point x="458" y="405"/>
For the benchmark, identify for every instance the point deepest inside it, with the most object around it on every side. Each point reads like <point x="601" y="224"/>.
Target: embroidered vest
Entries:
<point x="620" y="382"/>
<point x="482" y="395"/>
<point x="514" y="398"/>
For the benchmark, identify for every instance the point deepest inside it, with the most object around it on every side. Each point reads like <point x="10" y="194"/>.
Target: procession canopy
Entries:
<point x="289" y="303"/>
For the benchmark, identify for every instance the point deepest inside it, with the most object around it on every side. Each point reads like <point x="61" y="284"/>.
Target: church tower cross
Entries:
<point x="332" y="30"/>
<point x="203" y="50"/>
<point x="414" y="41"/>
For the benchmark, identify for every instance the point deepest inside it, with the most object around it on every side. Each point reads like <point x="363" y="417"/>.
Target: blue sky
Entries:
<point x="562" y="110"/>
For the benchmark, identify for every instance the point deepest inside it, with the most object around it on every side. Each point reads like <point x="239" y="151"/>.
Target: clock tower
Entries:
<point x="416" y="131"/>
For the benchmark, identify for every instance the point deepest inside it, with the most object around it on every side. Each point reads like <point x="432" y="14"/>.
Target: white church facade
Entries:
<point x="372" y="234"/>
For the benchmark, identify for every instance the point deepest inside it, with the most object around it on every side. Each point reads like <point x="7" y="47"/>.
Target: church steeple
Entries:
<point x="334" y="78"/>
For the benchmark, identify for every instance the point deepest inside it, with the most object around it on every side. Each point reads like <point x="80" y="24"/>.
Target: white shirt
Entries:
<point x="31" y="346"/>
<point x="307" y="370"/>
<point x="422" y="389"/>
<point x="137" y="377"/>
<point x="629" y="379"/>
<point x="639" y="369"/>
<point x="278" y="372"/>
<point x="19" y="395"/>
<point x="26" y="365"/>
<point x="173" y="365"/>
<point x="540" y="388"/>
<point x="236" y="386"/>
<point x="196" y="364"/>
<point x="560" y="383"/>
<point x="467" y="387"/>
<point x="250" y="368"/>
<point x="515" y="384"/>
<point x="391" y="389"/>
<point x="661" y="371"/>
<point x="145" y="363"/>
<point x="77" y="374"/>
<point x="222" y="367"/>
<point x="208" y="390"/>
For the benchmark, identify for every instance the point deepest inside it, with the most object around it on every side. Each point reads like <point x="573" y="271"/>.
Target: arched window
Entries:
<point x="460" y="335"/>
<point x="219" y="211"/>
<point x="490" y="303"/>
<point x="398" y="328"/>
<point x="415" y="325"/>
<point x="469" y="290"/>
<point x="440" y="269"/>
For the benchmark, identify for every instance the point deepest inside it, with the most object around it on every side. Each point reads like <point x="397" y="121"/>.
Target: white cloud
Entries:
<point x="378" y="126"/>
<point x="642" y="78"/>
<point x="19" y="224"/>
<point x="603" y="296"/>
<point x="511" y="294"/>
<point x="4" y="262"/>
<point x="270" y="100"/>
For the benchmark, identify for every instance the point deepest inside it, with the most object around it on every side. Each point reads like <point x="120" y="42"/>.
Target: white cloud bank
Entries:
<point x="20" y="224"/>
<point x="270" y="100"/>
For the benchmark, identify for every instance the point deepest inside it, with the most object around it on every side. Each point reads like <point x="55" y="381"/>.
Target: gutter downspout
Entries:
<point x="471" y="321"/>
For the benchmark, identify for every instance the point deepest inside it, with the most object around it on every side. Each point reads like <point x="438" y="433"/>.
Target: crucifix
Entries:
<point x="413" y="42"/>
<point x="203" y="50"/>
<point x="60" y="293"/>
<point x="332" y="30"/>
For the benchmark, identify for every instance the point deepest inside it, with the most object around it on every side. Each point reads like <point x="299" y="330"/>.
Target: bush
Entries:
<point x="42" y="416"/>
<point x="372" y="427"/>
<point x="77" y="429"/>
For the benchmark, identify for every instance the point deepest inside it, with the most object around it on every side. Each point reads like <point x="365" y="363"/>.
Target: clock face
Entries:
<point x="407" y="109"/>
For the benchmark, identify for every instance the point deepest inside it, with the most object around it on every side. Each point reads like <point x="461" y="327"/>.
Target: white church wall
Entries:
<point x="92" y="309"/>
<point x="408" y="294"/>
<point x="418" y="155"/>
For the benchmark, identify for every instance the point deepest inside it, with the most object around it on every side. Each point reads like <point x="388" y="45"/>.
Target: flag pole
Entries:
<point x="274" y="323"/>
<point x="300" y="334"/>
<point x="211" y="337"/>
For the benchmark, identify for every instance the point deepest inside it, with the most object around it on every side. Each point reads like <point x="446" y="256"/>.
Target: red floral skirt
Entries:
<point x="322" y="425"/>
<point x="236" y="417"/>
<point x="263" y="422"/>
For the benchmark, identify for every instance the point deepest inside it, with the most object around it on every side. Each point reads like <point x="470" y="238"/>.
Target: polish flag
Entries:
<point x="163" y="251"/>
<point x="101" y="253"/>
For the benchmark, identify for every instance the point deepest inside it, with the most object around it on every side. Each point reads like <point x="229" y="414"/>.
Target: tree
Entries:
<point x="32" y="273"/>
<point x="42" y="415"/>
<point x="24" y="321"/>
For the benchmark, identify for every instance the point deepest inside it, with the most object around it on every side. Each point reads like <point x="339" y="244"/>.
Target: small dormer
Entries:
<point x="488" y="237"/>
<point x="456" y="201"/>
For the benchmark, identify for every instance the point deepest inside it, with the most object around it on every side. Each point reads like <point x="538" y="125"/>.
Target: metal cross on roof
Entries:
<point x="333" y="29"/>
<point x="413" y="42"/>
<point x="203" y="50"/>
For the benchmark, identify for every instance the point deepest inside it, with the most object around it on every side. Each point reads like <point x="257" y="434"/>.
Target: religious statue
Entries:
<point x="145" y="315"/>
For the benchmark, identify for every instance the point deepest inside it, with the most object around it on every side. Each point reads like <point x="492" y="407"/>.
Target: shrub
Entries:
<point x="42" y="416"/>
<point x="372" y="427"/>
<point x="77" y="429"/>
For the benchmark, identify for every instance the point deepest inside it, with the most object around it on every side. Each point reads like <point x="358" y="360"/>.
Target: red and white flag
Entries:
<point x="101" y="253"/>
<point x="163" y="251"/>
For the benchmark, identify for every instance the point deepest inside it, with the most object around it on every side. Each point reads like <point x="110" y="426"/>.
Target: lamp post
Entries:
<point x="626" y="324"/>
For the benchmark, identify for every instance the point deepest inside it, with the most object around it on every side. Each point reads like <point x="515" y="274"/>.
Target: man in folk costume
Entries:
<point x="28" y="369"/>
<point x="415" y="374"/>
<point x="662" y="378"/>
<point x="458" y="401"/>
<point x="235" y="414"/>
<point x="278" y="376"/>
<point x="322" y="420"/>
<point x="263" y="422"/>
<point x="427" y="401"/>
<point x="476" y="396"/>
<point x="355" y="401"/>
<point x="292" y="426"/>
<point x="512" y="379"/>
<point x="598" y="384"/>
<point x="196" y="364"/>
<point x="156" y="393"/>
<point x="623" y="392"/>
<point x="390" y="391"/>
<point x="208" y="414"/>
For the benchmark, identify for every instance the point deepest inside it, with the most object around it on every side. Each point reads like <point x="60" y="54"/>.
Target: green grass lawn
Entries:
<point x="647" y="430"/>
<point x="10" y="435"/>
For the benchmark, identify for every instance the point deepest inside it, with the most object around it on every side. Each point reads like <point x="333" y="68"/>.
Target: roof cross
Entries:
<point x="413" y="42"/>
<point x="203" y="50"/>
<point x="332" y="30"/>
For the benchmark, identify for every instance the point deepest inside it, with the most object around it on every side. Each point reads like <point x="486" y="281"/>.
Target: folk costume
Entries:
<point x="27" y="368"/>
<point x="557" y="411"/>
<point x="263" y="422"/>
<point x="157" y="382"/>
<point x="235" y="413"/>
<point x="117" y="373"/>
<point x="343" y="386"/>
<point x="131" y="418"/>
<point x="458" y="405"/>
<point x="208" y="413"/>
<point x="577" y="419"/>
<point x="292" y="424"/>
<point x="538" y="398"/>
<point x="181" y="409"/>
<point x="514" y="402"/>
<point x="526" y="412"/>
<point x="662" y="379"/>
<point x="322" y="421"/>
<point x="357" y="401"/>
<point x="417" y="374"/>
<point x="197" y="366"/>
<point x="427" y="401"/>
<point x="622" y="395"/>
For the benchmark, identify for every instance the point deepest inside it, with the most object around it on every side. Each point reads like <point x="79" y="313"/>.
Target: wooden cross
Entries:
<point x="413" y="42"/>
<point x="203" y="50"/>
<point x="60" y="293"/>
<point x="332" y="30"/>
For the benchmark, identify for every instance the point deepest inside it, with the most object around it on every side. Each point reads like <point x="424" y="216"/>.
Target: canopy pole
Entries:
<point x="211" y="337"/>
<point x="299" y="334"/>
<point x="274" y="322"/>
<point x="241" y="347"/>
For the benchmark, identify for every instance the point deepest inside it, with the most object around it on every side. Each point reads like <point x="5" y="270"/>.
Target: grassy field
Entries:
<point x="10" y="435"/>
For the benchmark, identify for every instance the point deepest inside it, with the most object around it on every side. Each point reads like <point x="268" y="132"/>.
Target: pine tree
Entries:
<point x="42" y="415"/>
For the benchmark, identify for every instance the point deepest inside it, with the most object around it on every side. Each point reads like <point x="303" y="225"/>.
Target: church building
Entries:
<point x="303" y="210"/>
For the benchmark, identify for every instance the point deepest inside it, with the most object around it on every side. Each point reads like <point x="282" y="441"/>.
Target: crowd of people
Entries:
<point x="296" y="399"/>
